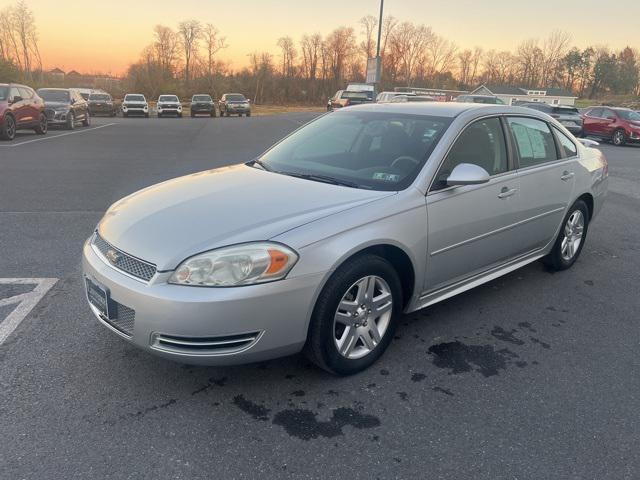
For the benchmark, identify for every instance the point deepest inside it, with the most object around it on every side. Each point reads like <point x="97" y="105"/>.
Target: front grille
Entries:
<point x="123" y="319"/>
<point x="168" y="106"/>
<point x="123" y="261"/>
<point x="205" y="345"/>
<point x="50" y="113"/>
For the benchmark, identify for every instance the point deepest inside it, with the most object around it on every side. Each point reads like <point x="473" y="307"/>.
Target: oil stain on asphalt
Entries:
<point x="458" y="357"/>
<point x="303" y="424"/>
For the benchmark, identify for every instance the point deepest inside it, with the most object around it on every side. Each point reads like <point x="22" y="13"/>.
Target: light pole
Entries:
<point x="379" y="29"/>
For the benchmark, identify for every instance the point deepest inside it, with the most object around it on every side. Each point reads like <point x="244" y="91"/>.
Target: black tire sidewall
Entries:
<point x="321" y="335"/>
<point x="556" y="259"/>
<point x="4" y="133"/>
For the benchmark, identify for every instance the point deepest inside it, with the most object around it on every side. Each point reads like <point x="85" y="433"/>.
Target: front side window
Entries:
<point x="25" y="93"/>
<point x="629" y="115"/>
<point x="14" y="92"/>
<point x="568" y="149"/>
<point x="372" y="150"/>
<point x="482" y="143"/>
<point x="534" y="141"/>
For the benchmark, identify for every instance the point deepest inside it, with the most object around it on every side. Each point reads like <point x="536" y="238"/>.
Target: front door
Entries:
<point x="469" y="225"/>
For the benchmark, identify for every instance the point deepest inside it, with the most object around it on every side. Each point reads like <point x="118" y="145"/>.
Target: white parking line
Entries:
<point x="45" y="137"/>
<point x="25" y="301"/>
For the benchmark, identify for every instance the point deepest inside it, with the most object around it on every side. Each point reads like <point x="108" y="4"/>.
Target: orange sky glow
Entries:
<point x="105" y="37"/>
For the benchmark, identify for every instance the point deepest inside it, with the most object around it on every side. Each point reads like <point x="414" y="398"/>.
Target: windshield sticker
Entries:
<point x="386" y="177"/>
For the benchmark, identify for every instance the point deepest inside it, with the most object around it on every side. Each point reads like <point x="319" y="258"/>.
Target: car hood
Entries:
<point x="171" y="221"/>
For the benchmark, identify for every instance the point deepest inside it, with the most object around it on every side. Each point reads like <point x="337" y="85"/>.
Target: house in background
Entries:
<point x="56" y="74"/>
<point x="512" y="95"/>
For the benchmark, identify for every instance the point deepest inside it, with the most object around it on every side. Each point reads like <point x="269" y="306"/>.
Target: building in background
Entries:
<point x="513" y="95"/>
<point x="439" y="94"/>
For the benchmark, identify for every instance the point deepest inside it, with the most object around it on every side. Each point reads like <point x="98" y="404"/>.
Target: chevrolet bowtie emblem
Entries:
<point x="112" y="256"/>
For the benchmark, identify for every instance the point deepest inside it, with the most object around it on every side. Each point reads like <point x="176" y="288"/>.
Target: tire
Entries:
<point x="561" y="258"/>
<point x="360" y="350"/>
<point x="43" y="126"/>
<point x="87" y="120"/>
<point x="619" y="138"/>
<point x="8" y="128"/>
<point x="125" y="115"/>
<point x="213" y="113"/>
<point x="179" y="115"/>
<point x="146" y="115"/>
<point x="226" y="114"/>
<point x="248" y="114"/>
<point x="71" y="121"/>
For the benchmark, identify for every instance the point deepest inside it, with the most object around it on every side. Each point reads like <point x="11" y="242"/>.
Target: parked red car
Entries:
<point x="618" y="125"/>
<point x="20" y="107"/>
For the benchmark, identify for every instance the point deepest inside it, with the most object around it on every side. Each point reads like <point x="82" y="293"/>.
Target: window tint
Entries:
<point x="483" y="144"/>
<point x="25" y="93"/>
<point x="567" y="147"/>
<point x="534" y="141"/>
<point x="596" y="112"/>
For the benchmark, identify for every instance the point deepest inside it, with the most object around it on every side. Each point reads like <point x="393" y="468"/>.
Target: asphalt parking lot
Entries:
<point x="531" y="376"/>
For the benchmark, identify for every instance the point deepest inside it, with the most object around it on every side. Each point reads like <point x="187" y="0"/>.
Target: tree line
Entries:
<point x="185" y="59"/>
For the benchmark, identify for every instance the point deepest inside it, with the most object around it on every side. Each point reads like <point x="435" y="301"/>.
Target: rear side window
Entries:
<point x="482" y="143"/>
<point x="567" y="147"/>
<point x="596" y="112"/>
<point x="534" y="141"/>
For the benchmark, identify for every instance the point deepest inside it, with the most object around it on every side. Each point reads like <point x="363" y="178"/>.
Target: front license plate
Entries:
<point x="98" y="297"/>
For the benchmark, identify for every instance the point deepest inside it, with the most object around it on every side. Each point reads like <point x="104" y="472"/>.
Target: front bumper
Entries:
<point x="56" y="117"/>
<point x="93" y="109"/>
<point x="135" y="110"/>
<point x="237" y="109"/>
<point x="171" y="110"/>
<point x="275" y="315"/>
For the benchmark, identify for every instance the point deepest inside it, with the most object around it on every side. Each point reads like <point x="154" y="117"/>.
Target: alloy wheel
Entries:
<point x="618" y="137"/>
<point x="10" y="128"/>
<point x="573" y="231"/>
<point x="44" y="125"/>
<point x="362" y="317"/>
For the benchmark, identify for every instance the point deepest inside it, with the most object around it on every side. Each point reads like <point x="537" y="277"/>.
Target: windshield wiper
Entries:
<point x="323" y="178"/>
<point x="262" y="165"/>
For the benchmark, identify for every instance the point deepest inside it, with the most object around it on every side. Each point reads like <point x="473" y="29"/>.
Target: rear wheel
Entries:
<point x="619" y="137"/>
<point x="248" y="114"/>
<point x="571" y="238"/>
<point x="8" y="129"/>
<point x="355" y="315"/>
<point x="42" y="126"/>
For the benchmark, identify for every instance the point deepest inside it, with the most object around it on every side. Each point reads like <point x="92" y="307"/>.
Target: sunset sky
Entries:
<point x="100" y="36"/>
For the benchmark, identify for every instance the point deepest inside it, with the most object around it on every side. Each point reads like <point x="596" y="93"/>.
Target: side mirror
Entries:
<point x="467" y="174"/>
<point x="16" y="99"/>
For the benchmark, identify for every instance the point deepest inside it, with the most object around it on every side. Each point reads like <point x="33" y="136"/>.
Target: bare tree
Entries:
<point x="554" y="48"/>
<point x="190" y="32"/>
<point x="289" y="54"/>
<point x="408" y="43"/>
<point x="339" y="48"/>
<point x="368" y="45"/>
<point x="166" y="46"/>
<point x="213" y="43"/>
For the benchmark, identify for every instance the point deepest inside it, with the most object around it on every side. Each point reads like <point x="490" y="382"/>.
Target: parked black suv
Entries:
<point x="203" y="103"/>
<point x="102" y="103"/>
<point x="566" y="115"/>
<point x="65" y="106"/>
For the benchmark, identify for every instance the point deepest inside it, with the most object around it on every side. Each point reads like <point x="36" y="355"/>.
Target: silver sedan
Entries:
<point x="325" y="240"/>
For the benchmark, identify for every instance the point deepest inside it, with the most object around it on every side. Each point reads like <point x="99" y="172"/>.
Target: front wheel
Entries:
<point x="87" y="120"/>
<point x="355" y="315"/>
<point x="571" y="238"/>
<point x="42" y="126"/>
<point x="248" y="114"/>
<point x="619" y="138"/>
<point x="71" y="121"/>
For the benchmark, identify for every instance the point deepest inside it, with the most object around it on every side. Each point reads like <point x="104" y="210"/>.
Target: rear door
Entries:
<point x="592" y="122"/>
<point x="609" y="122"/>
<point x="547" y="177"/>
<point x="469" y="226"/>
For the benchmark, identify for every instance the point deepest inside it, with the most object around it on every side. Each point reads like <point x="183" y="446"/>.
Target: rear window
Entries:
<point x="355" y="95"/>
<point x="566" y="110"/>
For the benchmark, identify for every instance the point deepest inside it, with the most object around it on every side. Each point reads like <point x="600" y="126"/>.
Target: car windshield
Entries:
<point x="168" y="98"/>
<point x="566" y="110"/>
<point x="101" y="97"/>
<point x="54" y="95"/>
<point x="373" y="150"/>
<point x="236" y="98"/>
<point x="134" y="98"/>
<point x="355" y="95"/>
<point x="490" y="100"/>
<point x="201" y="98"/>
<point x="4" y="93"/>
<point x="629" y="115"/>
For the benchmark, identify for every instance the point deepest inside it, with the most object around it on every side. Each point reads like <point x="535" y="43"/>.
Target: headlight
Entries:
<point x="124" y="107"/>
<point x="245" y="264"/>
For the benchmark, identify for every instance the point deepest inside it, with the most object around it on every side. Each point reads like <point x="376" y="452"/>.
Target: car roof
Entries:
<point x="442" y="109"/>
<point x="58" y="89"/>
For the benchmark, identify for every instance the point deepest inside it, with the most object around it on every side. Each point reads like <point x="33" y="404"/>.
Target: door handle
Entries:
<point x="507" y="192"/>
<point x="567" y="176"/>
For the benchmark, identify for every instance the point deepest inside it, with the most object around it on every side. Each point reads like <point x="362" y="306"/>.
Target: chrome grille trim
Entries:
<point x="124" y="262"/>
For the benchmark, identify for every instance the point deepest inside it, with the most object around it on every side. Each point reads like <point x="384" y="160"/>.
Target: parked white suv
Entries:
<point x="135" y="103"/>
<point x="169" y="104"/>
